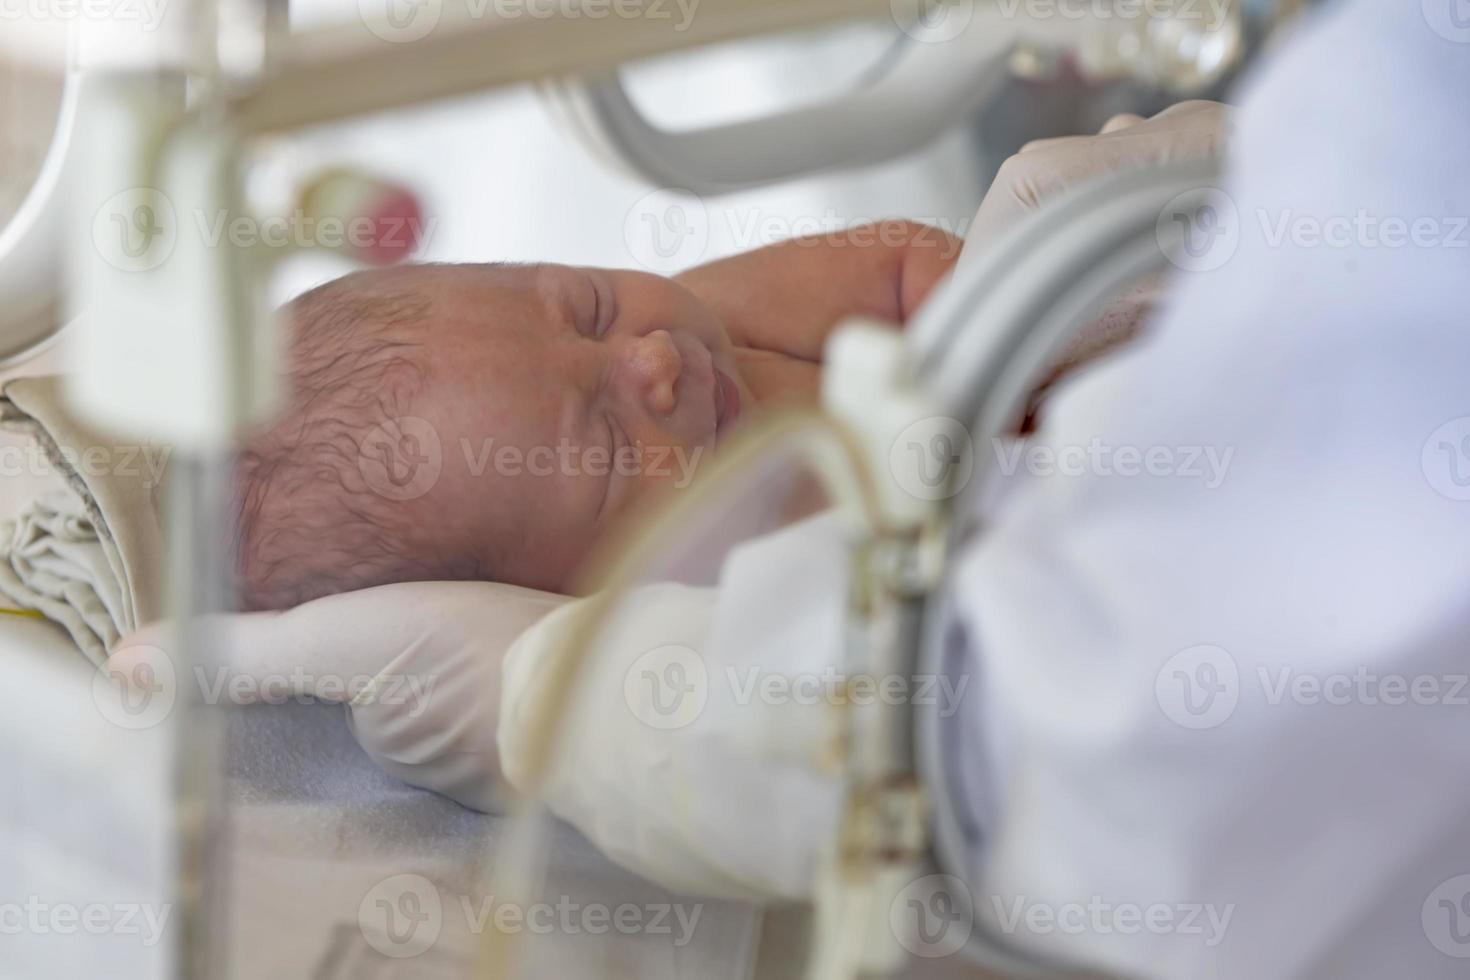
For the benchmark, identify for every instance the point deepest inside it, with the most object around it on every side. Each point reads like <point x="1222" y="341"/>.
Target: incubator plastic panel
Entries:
<point x="37" y="112"/>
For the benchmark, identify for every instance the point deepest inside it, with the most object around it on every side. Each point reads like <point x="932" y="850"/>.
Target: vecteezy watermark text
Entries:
<point x="403" y="21"/>
<point x="669" y="230"/>
<point x="403" y="458"/>
<point x="147" y="14"/>
<point x="140" y="685"/>
<point x="1363" y="229"/>
<point x="1208" y="464"/>
<point x="669" y="686"/>
<point x="934" y="916"/>
<point x="403" y="916"/>
<point x="139" y="229"/>
<point x="1100" y="917"/>
<point x="752" y="685"/>
<point x="147" y="462"/>
<point x="37" y="917"/>
<point x="1201" y="687"/>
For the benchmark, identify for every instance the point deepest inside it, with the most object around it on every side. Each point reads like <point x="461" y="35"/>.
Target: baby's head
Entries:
<point x="474" y="422"/>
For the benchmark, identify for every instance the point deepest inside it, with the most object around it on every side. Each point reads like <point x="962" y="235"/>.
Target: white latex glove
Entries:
<point x="678" y="760"/>
<point x="416" y="664"/>
<point x="1046" y="169"/>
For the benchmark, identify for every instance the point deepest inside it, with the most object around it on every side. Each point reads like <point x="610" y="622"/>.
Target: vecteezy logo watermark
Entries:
<point x="667" y="687"/>
<point x="933" y="458"/>
<point x="136" y="688"/>
<point x="1445" y="459"/>
<point x="1100" y="917"/>
<point x="401" y="458"/>
<point x="37" y="917"/>
<point x="400" y="21"/>
<point x="1198" y="687"/>
<point x="1450" y="19"/>
<point x="932" y="916"/>
<point x="1207" y="464"/>
<point x="932" y="21"/>
<point x="1445" y="917"/>
<point x="136" y="230"/>
<point x="667" y="230"/>
<point x="1199" y="230"/>
<point x="403" y="916"/>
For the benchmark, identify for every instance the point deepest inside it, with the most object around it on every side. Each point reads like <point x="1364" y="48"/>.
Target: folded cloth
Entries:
<point x="87" y="555"/>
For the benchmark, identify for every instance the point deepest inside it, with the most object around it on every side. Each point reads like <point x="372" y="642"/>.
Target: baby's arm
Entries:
<point x="788" y="297"/>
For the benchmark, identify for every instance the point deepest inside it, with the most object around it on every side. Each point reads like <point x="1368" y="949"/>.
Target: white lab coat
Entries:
<point x="1197" y="689"/>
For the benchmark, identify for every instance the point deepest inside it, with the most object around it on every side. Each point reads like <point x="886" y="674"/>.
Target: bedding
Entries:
<point x="317" y="835"/>
<point x="100" y="568"/>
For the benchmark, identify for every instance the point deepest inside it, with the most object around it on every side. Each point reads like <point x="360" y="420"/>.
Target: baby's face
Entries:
<point x="563" y="397"/>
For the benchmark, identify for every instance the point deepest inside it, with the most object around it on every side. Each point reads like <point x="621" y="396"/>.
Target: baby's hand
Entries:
<point x="786" y="298"/>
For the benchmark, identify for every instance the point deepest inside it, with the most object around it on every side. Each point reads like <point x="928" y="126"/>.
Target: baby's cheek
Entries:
<point x="646" y="480"/>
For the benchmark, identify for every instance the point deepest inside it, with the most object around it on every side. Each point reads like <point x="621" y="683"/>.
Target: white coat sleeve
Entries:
<point x="1219" y="622"/>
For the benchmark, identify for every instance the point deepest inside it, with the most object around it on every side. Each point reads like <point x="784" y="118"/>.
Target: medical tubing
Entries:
<point x="881" y="119"/>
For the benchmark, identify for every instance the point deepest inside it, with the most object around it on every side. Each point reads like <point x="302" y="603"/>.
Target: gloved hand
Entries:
<point x="697" y="748"/>
<point x="417" y="665"/>
<point x="1045" y="169"/>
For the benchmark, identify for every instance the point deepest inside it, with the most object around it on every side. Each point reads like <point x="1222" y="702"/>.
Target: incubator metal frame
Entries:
<point x="935" y="72"/>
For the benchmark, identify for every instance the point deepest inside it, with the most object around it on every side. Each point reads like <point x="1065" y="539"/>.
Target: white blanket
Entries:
<point x="88" y="554"/>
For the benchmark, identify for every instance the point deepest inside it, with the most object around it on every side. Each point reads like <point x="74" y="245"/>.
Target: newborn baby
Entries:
<point x="491" y="422"/>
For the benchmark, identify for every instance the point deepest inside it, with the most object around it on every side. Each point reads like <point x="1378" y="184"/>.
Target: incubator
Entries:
<point x="173" y="343"/>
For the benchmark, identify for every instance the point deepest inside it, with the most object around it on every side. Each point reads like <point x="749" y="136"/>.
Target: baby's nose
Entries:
<point x="654" y="365"/>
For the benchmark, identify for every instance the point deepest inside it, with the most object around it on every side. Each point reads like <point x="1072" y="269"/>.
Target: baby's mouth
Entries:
<point x="727" y="402"/>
